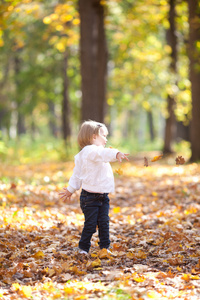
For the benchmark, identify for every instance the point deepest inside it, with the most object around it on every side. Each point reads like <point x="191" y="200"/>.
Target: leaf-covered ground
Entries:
<point x="154" y="228"/>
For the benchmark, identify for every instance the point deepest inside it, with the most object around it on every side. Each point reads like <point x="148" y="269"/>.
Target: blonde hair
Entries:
<point x="87" y="131"/>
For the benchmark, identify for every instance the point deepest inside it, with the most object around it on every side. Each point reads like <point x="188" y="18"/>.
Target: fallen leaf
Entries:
<point x="103" y="253"/>
<point x="26" y="291"/>
<point x="96" y="263"/>
<point x="39" y="254"/>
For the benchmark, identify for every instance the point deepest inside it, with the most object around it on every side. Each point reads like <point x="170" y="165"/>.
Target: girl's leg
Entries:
<point x="103" y="223"/>
<point x="91" y="215"/>
<point x="90" y="207"/>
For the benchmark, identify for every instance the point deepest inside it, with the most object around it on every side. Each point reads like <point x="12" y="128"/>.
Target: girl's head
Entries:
<point x="92" y="132"/>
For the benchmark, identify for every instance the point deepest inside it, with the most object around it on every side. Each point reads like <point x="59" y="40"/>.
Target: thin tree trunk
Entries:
<point x="93" y="53"/>
<point x="21" y="129"/>
<point x="194" y="36"/>
<point x="65" y="104"/>
<point x="151" y="126"/>
<point x="172" y="42"/>
<point x="52" y="119"/>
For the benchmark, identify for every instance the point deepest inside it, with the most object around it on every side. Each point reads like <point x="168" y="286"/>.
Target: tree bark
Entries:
<point x="194" y="36"/>
<point x="65" y="103"/>
<point x="172" y="42"/>
<point x="151" y="125"/>
<point x="52" y="119"/>
<point x="21" y="129"/>
<point x="93" y="54"/>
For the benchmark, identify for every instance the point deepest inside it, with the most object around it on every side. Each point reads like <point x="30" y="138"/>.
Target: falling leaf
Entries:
<point x="179" y="160"/>
<point x="146" y="162"/>
<point x="13" y="186"/>
<point x="157" y="158"/>
<point x="119" y="171"/>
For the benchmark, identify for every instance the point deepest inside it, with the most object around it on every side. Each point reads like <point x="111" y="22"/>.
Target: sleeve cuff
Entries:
<point x="71" y="189"/>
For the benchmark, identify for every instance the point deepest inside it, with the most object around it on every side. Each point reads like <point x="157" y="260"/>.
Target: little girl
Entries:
<point x="93" y="172"/>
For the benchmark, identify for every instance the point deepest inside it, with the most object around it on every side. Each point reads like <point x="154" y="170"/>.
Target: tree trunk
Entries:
<point x="5" y="112"/>
<point x="21" y="129"/>
<point x="182" y="132"/>
<point x="93" y="53"/>
<point x="52" y="119"/>
<point x="172" y="42"/>
<point x="65" y="104"/>
<point x="151" y="127"/>
<point x="194" y="36"/>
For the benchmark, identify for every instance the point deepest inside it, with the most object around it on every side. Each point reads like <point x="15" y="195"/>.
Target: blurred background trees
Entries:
<point x="131" y="64"/>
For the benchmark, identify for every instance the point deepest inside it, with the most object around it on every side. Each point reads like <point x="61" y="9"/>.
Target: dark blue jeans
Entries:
<point x="95" y="207"/>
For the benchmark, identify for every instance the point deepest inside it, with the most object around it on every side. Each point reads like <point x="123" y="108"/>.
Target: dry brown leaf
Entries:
<point x="146" y="162"/>
<point x="179" y="160"/>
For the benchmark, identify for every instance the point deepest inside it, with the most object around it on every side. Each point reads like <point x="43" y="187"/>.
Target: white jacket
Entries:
<point x="92" y="170"/>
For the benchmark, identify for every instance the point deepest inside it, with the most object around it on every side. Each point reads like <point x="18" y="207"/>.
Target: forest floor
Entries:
<point x="154" y="230"/>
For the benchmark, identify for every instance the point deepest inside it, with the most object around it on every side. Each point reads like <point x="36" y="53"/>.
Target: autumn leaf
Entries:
<point x="150" y="226"/>
<point x="179" y="160"/>
<point x="158" y="157"/>
<point x="96" y="263"/>
<point x="146" y="162"/>
<point x="119" y="171"/>
<point x="26" y="291"/>
<point x="116" y="210"/>
<point x="138" y="278"/>
<point x="103" y="253"/>
<point x="68" y="290"/>
<point x="39" y="254"/>
<point x="13" y="186"/>
<point x="15" y="286"/>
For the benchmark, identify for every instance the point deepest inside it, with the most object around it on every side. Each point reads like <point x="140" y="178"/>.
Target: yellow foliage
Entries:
<point x="39" y="254"/>
<point x="116" y="210"/>
<point x="16" y="286"/>
<point x="119" y="171"/>
<point x="26" y="291"/>
<point x="47" y="20"/>
<point x="103" y="253"/>
<point x="96" y="263"/>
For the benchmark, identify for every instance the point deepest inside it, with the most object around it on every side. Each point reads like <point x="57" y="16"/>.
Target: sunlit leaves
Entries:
<point x="63" y="24"/>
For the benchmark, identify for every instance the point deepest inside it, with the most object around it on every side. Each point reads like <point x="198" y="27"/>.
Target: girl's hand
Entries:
<point x="121" y="156"/>
<point x="65" y="195"/>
